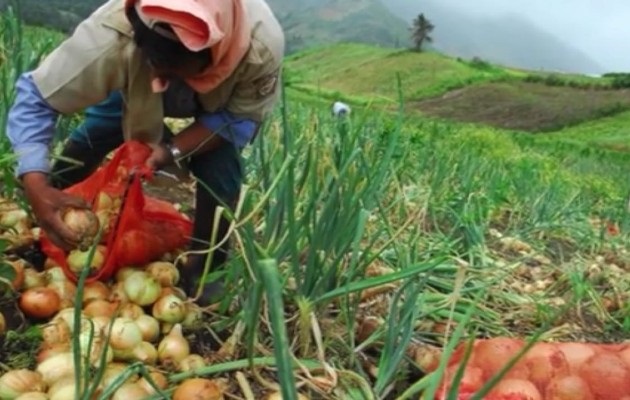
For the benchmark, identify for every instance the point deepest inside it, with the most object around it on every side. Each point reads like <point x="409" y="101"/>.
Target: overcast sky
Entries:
<point x="600" y="28"/>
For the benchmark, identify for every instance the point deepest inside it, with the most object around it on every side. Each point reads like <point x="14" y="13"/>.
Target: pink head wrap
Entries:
<point x="218" y="25"/>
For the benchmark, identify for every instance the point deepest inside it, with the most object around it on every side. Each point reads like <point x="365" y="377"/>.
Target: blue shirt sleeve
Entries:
<point x="239" y="131"/>
<point x="31" y="127"/>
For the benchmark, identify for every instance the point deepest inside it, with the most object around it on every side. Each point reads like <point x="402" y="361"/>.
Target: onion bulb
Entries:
<point x="32" y="396"/>
<point x="158" y="379"/>
<point x="55" y="274"/>
<point x="124" y="272"/>
<point x="84" y="223"/>
<point x="78" y="259"/>
<point x="173" y="348"/>
<point x="18" y="266"/>
<point x="34" y="278"/>
<point x="141" y="288"/>
<point x="100" y="308"/>
<point x="165" y="273"/>
<point x="104" y="202"/>
<point x="131" y="311"/>
<point x="113" y="371"/>
<point x="169" y="308"/>
<point x="39" y="302"/>
<point x="568" y="388"/>
<point x="193" y="316"/>
<point x="545" y="362"/>
<point x="63" y="389"/>
<point x="198" y="389"/>
<point x="191" y="363"/>
<point x="515" y="389"/>
<point x="118" y="294"/>
<point x="149" y="326"/>
<point x="145" y="352"/>
<point x="576" y="354"/>
<point x="56" y="367"/>
<point x="15" y="382"/>
<point x="56" y="331"/>
<point x="125" y="334"/>
<point x="130" y="391"/>
<point x="95" y="291"/>
<point x="493" y="354"/>
<point x="66" y="291"/>
<point x="607" y="375"/>
<point x="48" y="351"/>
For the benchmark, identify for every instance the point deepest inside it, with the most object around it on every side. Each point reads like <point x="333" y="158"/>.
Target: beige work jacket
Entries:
<point x="100" y="57"/>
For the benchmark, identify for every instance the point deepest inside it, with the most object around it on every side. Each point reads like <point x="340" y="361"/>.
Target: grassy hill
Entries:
<point x="468" y="91"/>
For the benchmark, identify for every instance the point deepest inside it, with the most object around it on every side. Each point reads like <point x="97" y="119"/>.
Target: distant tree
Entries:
<point x="421" y="32"/>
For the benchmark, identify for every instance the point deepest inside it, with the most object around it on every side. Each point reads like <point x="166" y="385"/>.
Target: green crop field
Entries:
<point x="365" y="249"/>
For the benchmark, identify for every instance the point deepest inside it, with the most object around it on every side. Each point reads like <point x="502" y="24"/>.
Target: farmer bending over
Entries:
<point x="131" y="63"/>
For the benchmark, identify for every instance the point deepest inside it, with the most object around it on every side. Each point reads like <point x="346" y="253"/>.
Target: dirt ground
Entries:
<point x="531" y="107"/>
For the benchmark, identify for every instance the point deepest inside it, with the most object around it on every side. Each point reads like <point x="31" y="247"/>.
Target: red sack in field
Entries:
<point x="147" y="227"/>
<point x="547" y="371"/>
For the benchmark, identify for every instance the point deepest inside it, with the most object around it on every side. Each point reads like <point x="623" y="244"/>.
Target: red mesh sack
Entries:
<point x="146" y="227"/>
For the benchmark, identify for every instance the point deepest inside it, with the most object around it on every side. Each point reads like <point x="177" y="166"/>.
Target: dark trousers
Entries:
<point x="219" y="170"/>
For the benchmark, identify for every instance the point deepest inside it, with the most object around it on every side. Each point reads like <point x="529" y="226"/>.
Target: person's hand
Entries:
<point x="47" y="204"/>
<point x="160" y="157"/>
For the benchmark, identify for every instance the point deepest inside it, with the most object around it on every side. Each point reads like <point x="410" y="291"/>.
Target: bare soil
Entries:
<point x="530" y="107"/>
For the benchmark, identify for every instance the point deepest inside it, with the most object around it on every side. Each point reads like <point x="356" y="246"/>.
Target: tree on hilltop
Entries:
<point x="421" y="32"/>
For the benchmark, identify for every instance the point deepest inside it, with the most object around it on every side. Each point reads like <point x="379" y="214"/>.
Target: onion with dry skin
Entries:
<point x="82" y="222"/>
<point x="165" y="273"/>
<point x="40" y="302"/>
<point x="173" y="348"/>
<point x="515" y="389"/>
<point x="33" y="396"/>
<point x="158" y="379"/>
<point x="130" y="391"/>
<point x="15" y="382"/>
<point x="170" y="309"/>
<point x="141" y="288"/>
<point x="95" y="291"/>
<point x="568" y="388"/>
<point x="607" y="375"/>
<point x="79" y="259"/>
<point x="198" y="389"/>
<point x="34" y="278"/>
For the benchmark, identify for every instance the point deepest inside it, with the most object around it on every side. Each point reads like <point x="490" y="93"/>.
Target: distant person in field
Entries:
<point x="340" y="109"/>
<point x="132" y="63"/>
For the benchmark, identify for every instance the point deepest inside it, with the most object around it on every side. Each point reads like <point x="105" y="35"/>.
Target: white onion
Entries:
<point x="131" y="311"/>
<point x="33" y="278"/>
<point x="191" y="362"/>
<point x="149" y="326"/>
<point x="145" y="352"/>
<point x="56" y="331"/>
<point x="141" y="288"/>
<point x="169" y="308"/>
<point x="173" y="348"/>
<point x="56" y="367"/>
<point x="113" y="371"/>
<point x="158" y="379"/>
<point x="125" y="334"/>
<point x="15" y="382"/>
<point x="130" y="391"/>
<point x="165" y="273"/>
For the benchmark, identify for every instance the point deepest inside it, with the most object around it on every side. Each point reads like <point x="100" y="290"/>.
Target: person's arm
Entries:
<point x="78" y="73"/>
<point x="252" y="100"/>
<point x="30" y="127"/>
